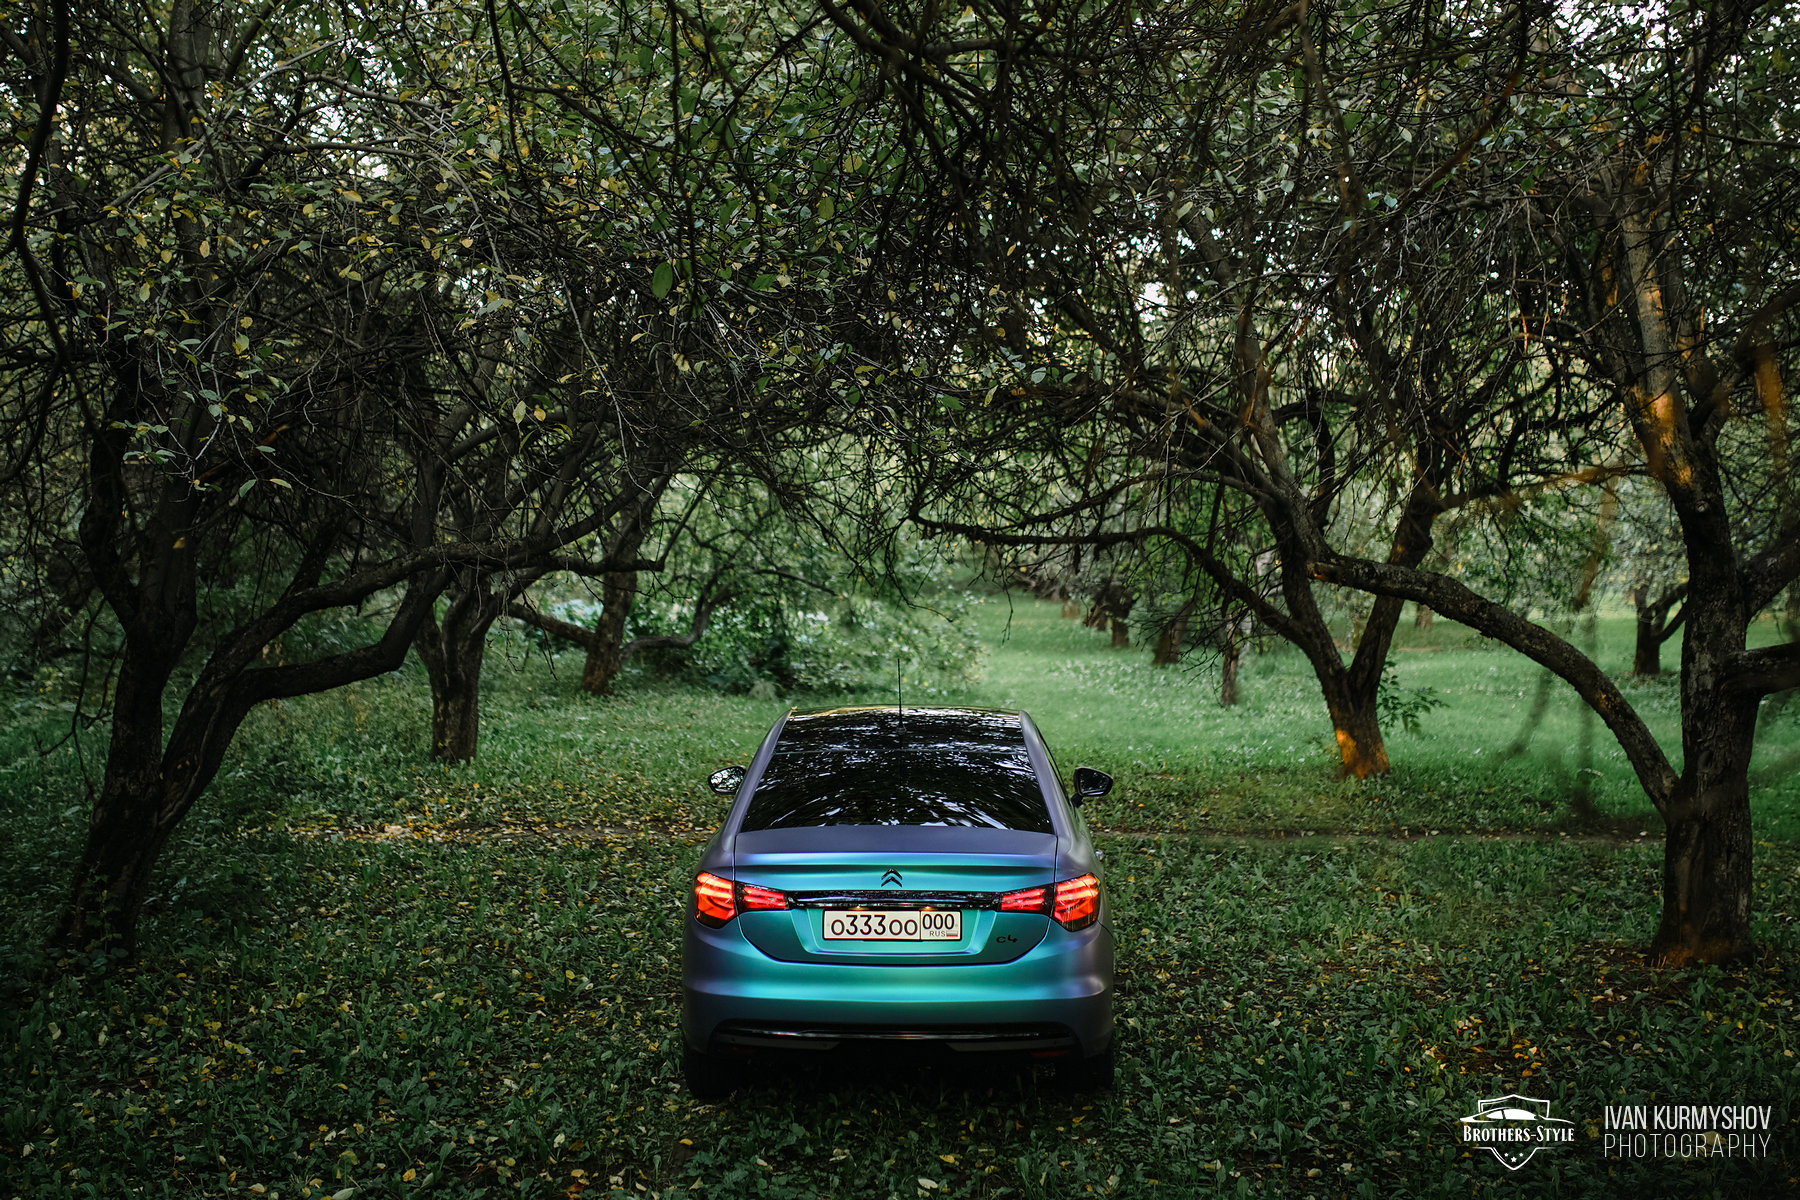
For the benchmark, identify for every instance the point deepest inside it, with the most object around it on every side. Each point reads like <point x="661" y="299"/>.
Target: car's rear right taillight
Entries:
<point x="1077" y="902"/>
<point x="715" y="899"/>
<point x="1033" y="900"/>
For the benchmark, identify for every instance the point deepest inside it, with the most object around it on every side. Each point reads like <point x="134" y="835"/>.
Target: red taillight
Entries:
<point x="1029" y="900"/>
<point x="1077" y="902"/>
<point x="752" y="896"/>
<point x="718" y="900"/>
<point x="1074" y="902"/>
<point x="715" y="900"/>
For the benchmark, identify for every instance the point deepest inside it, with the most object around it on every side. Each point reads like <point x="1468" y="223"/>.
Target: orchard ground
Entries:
<point x="363" y="972"/>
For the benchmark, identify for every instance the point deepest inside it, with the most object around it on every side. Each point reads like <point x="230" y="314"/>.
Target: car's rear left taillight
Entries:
<point x="1073" y="903"/>
<point x="751" y="897"/>
<point x="717" y="900"/>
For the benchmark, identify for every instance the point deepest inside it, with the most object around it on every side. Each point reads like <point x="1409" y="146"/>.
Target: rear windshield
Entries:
<point x="876" y="767"/>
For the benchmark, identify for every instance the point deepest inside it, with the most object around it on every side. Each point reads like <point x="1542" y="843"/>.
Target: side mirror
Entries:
<point x="1090" y="784"/>
<point x="726" y="780"/>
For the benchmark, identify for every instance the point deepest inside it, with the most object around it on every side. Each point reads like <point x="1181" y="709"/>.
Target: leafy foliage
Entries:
<point x="1403" y="706"/>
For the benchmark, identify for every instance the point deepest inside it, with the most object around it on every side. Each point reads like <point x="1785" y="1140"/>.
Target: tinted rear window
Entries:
<point x="926" y="768"/>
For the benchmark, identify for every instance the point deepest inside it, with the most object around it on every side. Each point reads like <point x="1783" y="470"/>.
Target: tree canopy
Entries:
<point x="1231" y="316"/>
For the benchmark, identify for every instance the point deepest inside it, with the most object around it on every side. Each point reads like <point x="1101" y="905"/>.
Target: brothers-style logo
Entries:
<point x="1515" y="1128"/>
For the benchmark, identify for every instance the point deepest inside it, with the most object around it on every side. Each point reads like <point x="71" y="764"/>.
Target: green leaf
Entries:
<point x="762" y="283"/>
<point x="662" y="280"/>
<point x="245" y="487"/>
<point x="826" y="209"/>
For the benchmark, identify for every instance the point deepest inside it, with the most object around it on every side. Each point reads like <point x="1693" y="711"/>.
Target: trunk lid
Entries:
<point x="894" y="868"/>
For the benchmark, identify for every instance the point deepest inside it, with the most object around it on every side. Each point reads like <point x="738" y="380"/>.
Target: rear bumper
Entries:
<point x="1055" y="997"/>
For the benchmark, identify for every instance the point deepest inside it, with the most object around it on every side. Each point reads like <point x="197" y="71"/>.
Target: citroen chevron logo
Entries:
<point x="891" y="878"/>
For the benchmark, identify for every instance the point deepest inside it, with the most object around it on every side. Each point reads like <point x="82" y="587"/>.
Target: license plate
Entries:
<point x="906" y="925"/>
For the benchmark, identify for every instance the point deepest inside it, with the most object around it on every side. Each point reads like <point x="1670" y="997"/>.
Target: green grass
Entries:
<point x="1271" y="763"/>
<point x="358" y="966"/>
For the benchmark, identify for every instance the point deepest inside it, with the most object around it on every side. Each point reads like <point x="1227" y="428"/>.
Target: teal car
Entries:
<point x="916" y="876"/>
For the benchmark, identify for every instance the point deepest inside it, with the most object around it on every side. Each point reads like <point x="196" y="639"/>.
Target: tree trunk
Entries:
<point x="1353" y="700"/>
<point x="1706" y="885"/>
<point x="1653" y="628"/>
<point x="1228" y="669"/>
<point x="453" y="653"/>
<point x="126" y="834"/>
<point x="606" y="656"/>
<point x="1647" y="653"/>
<point x="1172" y="639"/>
<point x="1422" y="616"/>
<point x="1112" y="604"/>
<point x="130" y="820"/>
<point x="1707" y="845"/>
<point x="456" y="710"/>
<point x="1352" y="696"/>
<point x="453" y="665"/>
<point x="150" y="784"/>
<point x="618" y="593"/>
<point x="1706" y="839"/>
<point x="1349" y="691"/>
<point x="1356" y="721"/>
<point x="1071" y="608"/>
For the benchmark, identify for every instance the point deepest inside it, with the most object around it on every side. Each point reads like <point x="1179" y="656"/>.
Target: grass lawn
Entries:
<point x="363" y="972"/>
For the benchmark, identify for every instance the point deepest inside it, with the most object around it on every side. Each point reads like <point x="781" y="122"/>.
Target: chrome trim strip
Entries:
<point x="894" y="900"/>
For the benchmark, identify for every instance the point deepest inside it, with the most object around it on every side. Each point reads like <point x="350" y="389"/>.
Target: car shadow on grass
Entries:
<point x="916" y="1073"/>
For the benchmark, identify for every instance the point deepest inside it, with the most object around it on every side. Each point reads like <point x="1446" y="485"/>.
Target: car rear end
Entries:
<point x="875" y="895"/>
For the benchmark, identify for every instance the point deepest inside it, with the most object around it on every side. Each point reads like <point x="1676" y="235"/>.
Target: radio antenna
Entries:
<point x="899" y="693"/>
